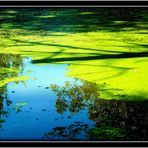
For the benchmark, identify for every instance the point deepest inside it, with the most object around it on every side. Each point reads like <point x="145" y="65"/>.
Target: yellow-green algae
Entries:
<point x="119" y="76"/>
<point x="13" y="79"/>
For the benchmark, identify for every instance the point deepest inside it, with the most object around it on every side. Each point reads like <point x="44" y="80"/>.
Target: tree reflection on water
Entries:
<point x="114" y="119"/>
<point x="74" y="96"/>
<point x="10" y="66"/>
<point x="10" y="60"/>
<point x="3" y="113"/>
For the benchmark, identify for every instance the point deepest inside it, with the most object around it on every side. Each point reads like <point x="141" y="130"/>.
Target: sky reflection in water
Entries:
<point x="66" y="111"/>
<point x="39" y="115"/>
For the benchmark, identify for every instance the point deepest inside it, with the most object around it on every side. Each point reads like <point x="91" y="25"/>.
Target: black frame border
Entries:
<point x="69" y="4"/>
<point x="73" y="3"/>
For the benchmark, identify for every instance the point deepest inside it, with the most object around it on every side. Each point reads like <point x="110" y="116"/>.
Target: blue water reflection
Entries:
<point x="52" y="106"/>
<point x="38" y="115"/>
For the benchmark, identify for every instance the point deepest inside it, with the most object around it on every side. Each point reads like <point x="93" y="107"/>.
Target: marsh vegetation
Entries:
<point x="73" y="74"/>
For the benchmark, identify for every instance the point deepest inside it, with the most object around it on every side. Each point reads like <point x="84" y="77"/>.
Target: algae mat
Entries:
<point x="102" y="45"/>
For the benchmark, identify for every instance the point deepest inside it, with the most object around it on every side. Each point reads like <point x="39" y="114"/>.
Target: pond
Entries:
<point x="51" y="106"/>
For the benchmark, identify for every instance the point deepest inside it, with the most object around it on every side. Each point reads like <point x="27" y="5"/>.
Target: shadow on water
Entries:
<point x="73" y="110"/>
<point x="71" y="20"/>
<point x="51" y="106"/>
<point x="92" y="56"/>
<point x="114" y="119"/>
<point x="97" y="57"/>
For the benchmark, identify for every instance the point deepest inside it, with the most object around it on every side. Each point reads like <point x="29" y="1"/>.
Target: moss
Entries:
<point x="13" y="79"/>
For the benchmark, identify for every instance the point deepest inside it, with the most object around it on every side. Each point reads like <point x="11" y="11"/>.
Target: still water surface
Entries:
<point x="69" y="110"/>
<point x="38" y="114"/>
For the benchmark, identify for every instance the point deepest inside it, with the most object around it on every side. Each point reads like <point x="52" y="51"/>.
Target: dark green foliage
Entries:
<point x="32" y="18"/>
<point x="115" y="119"/>
<point x="70" y="132"/>
<point x="107" y="132"/>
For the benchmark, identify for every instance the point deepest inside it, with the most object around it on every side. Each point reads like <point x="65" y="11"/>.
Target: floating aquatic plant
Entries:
<point x="18" y="106"/>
